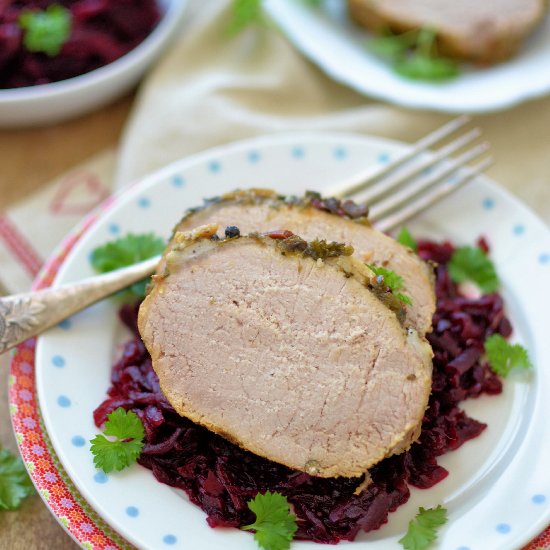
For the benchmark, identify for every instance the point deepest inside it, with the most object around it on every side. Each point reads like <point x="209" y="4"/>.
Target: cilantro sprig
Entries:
<point x="391" y="280"/>
<point x="46" y="30"/>
<point x="243" y="14"/>
<point x="15" y="484"/>
<point x="504" y="357"/>
<point x="122" y="451"/>
<point x="124" y="252"/>
<point x="406" y="239"/>
<point x="470" y="263"/>
<point x="414" y="55"/>
<point x="422" y="530"/>
<point x="275" y="526"/>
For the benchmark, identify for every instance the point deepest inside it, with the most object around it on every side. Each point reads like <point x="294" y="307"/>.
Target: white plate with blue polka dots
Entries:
<point x="498" y="489"/>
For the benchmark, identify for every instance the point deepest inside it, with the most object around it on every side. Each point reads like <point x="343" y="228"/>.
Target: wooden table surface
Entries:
<point x="31" y="158"/>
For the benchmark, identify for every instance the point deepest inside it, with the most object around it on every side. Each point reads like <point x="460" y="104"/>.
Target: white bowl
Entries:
<point x="49" y="103"/>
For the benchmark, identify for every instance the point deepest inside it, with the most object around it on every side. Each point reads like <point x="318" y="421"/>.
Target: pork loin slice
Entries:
<point x="288" y="356"/>
<point x="264" y="210"/>
<point x="483" y="31"/>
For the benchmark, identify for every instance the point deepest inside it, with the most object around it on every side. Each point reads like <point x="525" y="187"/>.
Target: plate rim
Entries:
<point x="48" y="273"/>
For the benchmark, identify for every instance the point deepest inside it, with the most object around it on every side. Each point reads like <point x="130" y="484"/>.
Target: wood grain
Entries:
<point x="30" y="158"/>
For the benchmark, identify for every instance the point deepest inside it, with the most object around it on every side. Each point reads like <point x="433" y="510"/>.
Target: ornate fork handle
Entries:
<point x="25" y="315"/>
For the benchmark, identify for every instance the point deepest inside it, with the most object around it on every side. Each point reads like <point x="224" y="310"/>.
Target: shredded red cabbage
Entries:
<point x="102" y="31"/>
<point x="220" y="477"/>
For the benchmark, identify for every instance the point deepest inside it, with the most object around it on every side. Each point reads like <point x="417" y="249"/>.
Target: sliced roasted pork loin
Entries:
<point x="279" y="346"/>
<point x="482" y="31"/>
<point x="313" y="218"/>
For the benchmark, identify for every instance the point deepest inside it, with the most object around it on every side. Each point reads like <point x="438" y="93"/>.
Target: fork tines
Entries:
<point x="418" y="178"/>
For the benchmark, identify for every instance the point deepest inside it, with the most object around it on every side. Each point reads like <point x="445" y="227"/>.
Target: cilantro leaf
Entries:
<point x="391" y="280"/>
<point x="503" y="356"/>
<point x="15" y="484"/>
<point x="275" y="526"/>
<point x="124" y="252"/>
<point x="413" y="55"/>
<point x="470" y="263"/>
<point x="406" y="239"/>
<point x="392" y="46"/>
<point x="419" y="66"/>
<point x="243" y="14"/>
<point x="46" y="31"/>
<point x="123" y="451"/>
<point x="422" y="529"/>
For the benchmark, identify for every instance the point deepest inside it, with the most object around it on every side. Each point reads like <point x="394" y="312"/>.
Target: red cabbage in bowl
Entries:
<point x="102" y="31"/>
<point x="220" y="477"/>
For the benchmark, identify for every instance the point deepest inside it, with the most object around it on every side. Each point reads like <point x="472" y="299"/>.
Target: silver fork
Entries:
<point x="396" y="192"/>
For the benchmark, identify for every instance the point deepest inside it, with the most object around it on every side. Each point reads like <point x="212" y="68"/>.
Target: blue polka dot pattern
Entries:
<point x="214" y="166"/>
<point x="427" y="171"/>
<point x="503" y="528"/>
<point x="544" y="258"/>
<point x="298" y="152"/>
<point x="538" y="499"/>
<point x="383" y="158"/>
<point x="144" y="202"/>
<point x="340" y="153"/>
<point x="518" y="229"/>
<point x="132" y="511"/>
<point x="114" y="229"/>
<point x="488" y="203"/>
<point x="253" y="157"/>
<point x="78" y="441"/>
<point x="169" y="539"/>
<point x="100" y="478"/>
<point x="65" y="324"/>
<point x="58" y="361"/>
<point x="178" y="181"/>
<point x="63" y="401"/>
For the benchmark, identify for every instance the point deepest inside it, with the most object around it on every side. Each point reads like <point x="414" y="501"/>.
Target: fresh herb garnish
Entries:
<point x="393" y="281"/>
<point x="423" y="528"/>
<point x="503" y="356"/>
<point x="414" y="55"/>
<point x="469" y="263"/>
<point x="15" y="484"/>
<point x="243" y="14"/>
<point x="121" y="452"/>
<point x="46" y="31"/>
<point x="124" y="252"/>
<point x="406" y="239"/>
<point x="275" y="526"/>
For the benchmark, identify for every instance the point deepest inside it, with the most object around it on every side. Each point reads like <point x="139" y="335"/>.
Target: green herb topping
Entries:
<point x="121" y="452"/>
<point x="243" y="14"/>
<point x="503" y="356"/>
<point x="422" y="529"/>
<point x="391" y="280"/>
<point x="15" y="484"/>
<point x="406" y="239"/>
<point x="316" y="249"/>
<point x="46" y="31"/>
<point x="124" y="252"/>
<point x="275" y="526"/>
<point x="470" y="263"/>
<point x="414" y="55"/>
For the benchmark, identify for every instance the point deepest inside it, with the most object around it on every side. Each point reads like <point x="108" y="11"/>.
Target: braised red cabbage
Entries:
<point x="220" y="477"/>
<point x="102" y="31"/>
